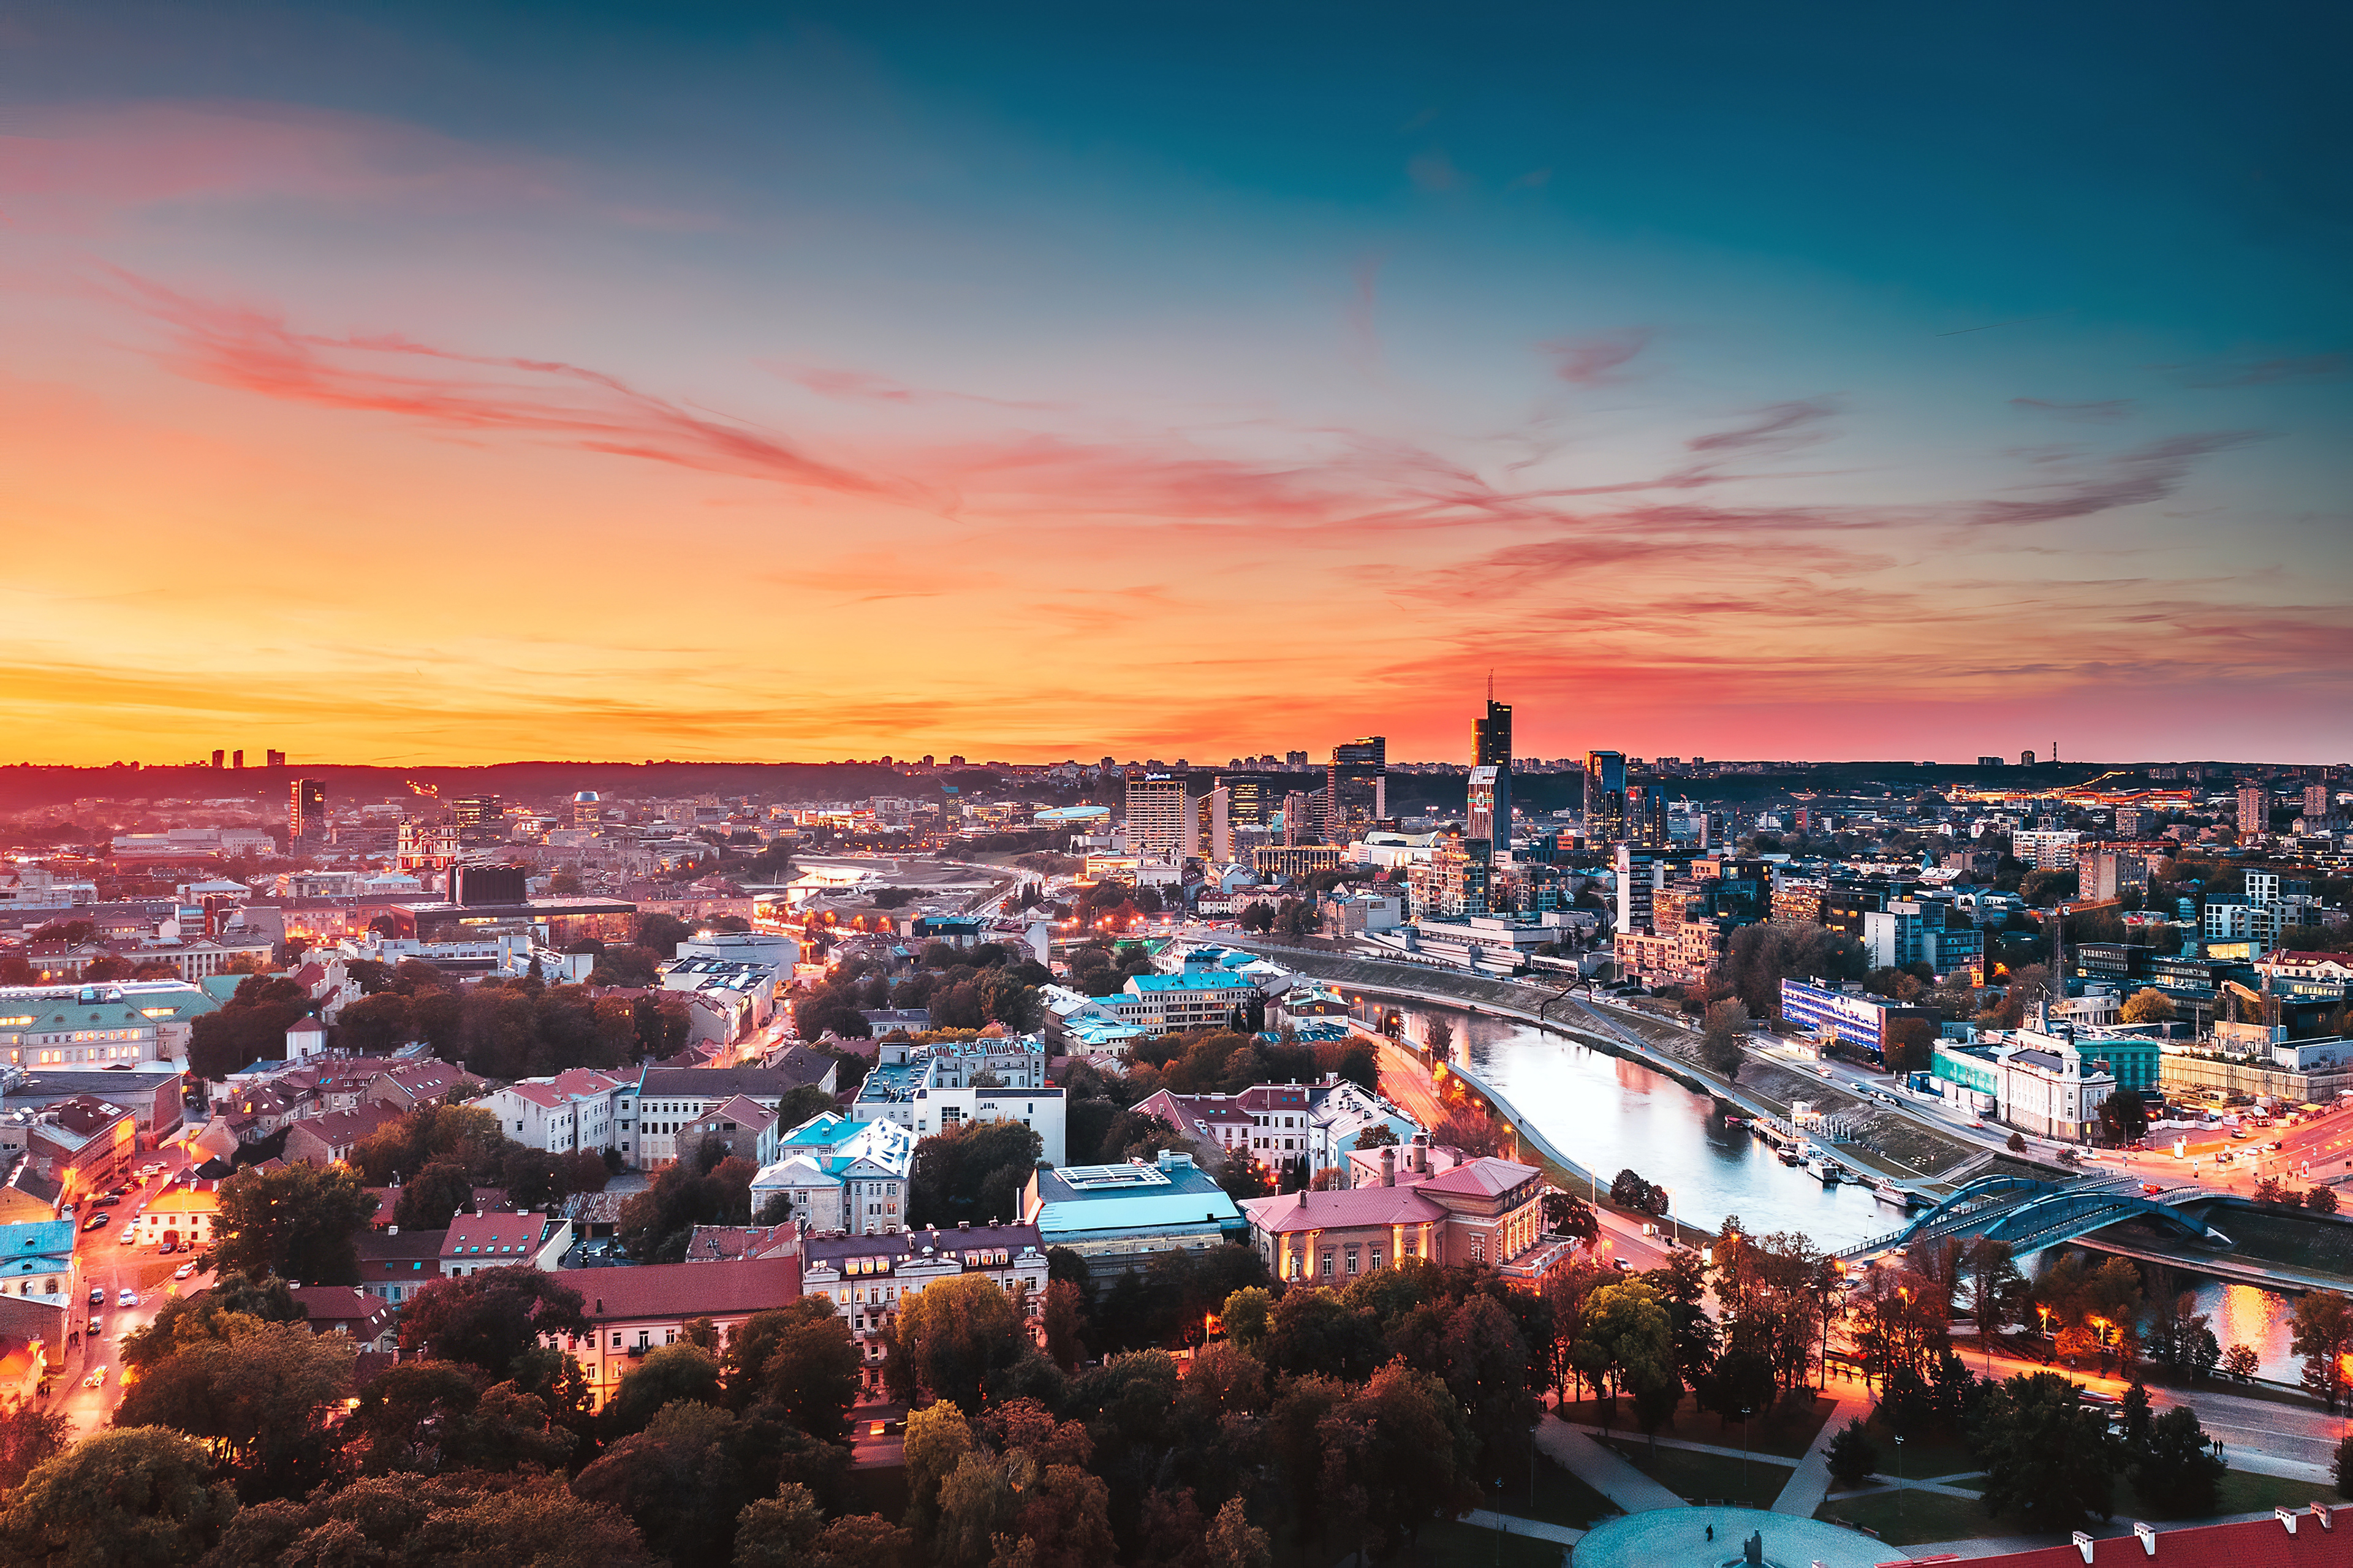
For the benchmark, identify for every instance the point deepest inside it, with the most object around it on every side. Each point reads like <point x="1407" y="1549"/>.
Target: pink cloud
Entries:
<point x="1592" y="362"/>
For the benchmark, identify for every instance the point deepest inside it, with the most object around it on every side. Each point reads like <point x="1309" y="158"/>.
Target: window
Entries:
<point x="1327" y="1263"/>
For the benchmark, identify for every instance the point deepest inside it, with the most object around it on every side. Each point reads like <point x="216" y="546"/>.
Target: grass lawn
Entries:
<point x="1788" y="1431"/>
<point x="2241" y="1492"/>
<point x="1448" y="1544"/>
<point x="1923" y="1458"/>
<point x="1924" y="1515"/>
<point x="1561" y="1498"/>
<point x="1693" y="1476"/>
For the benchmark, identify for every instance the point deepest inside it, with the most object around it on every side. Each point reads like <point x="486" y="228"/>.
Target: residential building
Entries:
<point x="746" y="1127"/>
<point x="361" y="1316"/>
<point x="631" y="1311"/>
<point x="306" y="809"/>
<point x="734" y="1243"/>
<point x="575" y="1110"/>
<point x="328" y="1140"/>
<point x="36" y="1261"/>
<point x="1356" y="787"/>
<point x="667" y="1099"/>
<point x="868" y="1278"/>
<point x="1489" y="816"/>
<point x="1641" y="874"/>
<point x="2255" y="811"/>
<point x="185" y="1217"/>
<point x="478" y="1241"/>
<point x="396" y="1263"/>
<point x="82" y="1143"/>
<point x="915" y="1095"/>
<point x="1119" y="1218"/>
<point x="1194" y="999"/>
<point x="1289" y="861"/>
<point x="92" y="1027"/>
<point x="2051" y="849"/>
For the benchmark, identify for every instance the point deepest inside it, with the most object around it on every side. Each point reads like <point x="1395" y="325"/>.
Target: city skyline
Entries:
<point x="421" y="386"/>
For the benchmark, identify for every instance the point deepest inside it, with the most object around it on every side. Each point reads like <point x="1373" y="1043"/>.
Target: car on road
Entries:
<point x="2150" y="1189"/>
<point x="126" y="1297"/>
<point x="129" y="1237"/>
<point x="97" y="1222"/>
<point x="2274" y="1145"/>
<point x="96" y="1379"/>
<point x="106" y="1201"/>
<point x="184" y="1271"/>
<point x="97" y="1295"/>
<point x="95" y="1329"/>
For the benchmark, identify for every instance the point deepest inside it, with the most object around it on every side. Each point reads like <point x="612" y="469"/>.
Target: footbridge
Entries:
<point x="2031" y="1213"/>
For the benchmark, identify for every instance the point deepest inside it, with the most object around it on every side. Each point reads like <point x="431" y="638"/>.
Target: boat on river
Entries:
<point x="1890" y="1193"/>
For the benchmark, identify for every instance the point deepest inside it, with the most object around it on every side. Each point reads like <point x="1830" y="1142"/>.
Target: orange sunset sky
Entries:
<point x="396" y="386"/>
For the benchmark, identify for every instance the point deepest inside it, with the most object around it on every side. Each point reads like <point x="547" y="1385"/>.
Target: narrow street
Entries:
<point x="110" y="1265"/>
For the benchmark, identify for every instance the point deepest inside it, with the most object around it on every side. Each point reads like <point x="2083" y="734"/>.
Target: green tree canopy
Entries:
<point x="129" y="1497"/>
<point x="299" y="1223"/>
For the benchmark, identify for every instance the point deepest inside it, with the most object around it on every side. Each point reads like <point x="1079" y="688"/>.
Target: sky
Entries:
<point x="422" y="383"/>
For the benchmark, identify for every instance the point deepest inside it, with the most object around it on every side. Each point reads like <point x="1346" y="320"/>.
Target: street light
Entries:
<point x="1744" y="1453"/>
<point x="1899" y="1479"/>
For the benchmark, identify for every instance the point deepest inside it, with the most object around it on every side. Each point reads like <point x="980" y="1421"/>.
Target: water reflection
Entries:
<point x="1609" y="1114"/>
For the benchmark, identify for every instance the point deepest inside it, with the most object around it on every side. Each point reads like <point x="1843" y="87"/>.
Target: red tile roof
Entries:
<point x="1486" y="1177"/>
<point x="1341" y="1210"/>
<point x="687" y="1290"/>
<point x="2251" y="1543"/>
<point x="506" y="1238"/>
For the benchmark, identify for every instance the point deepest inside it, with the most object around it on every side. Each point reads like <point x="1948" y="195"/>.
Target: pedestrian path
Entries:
<point x="1811" y="1481"/>
<point x="1577" y="1453"/>
<point x="1512" y="1524"/>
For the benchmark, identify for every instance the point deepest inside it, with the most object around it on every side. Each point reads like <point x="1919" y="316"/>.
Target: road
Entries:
<point x="109" y="1266"/>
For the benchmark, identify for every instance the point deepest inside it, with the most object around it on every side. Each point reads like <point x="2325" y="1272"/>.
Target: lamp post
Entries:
<point x="1744" y="1453"/>
<point x="1899" y="1480"/>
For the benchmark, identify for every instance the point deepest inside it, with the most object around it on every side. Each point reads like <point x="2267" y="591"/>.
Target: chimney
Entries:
<point x="1388" y="1165"/>
<point x="2084" y="1544"/>
<point x="2146" y="1537"/>
<point x="2286" y="1516"/>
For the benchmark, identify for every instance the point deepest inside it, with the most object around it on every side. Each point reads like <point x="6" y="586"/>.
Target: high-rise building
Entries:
<point x="2318" y="802"/>
<point x="1490" y="747"/>
<point x="1253" y="798"/>
<point x="1215" y="831"/>
<point x="1488" y="819"/>
<point x="1646" y="815"/>
<point x="306" y="809"/>
<point x="277" y="759"/>
<point x="1160" y="816"/>
<point x="237" y="762"/>
<point x="2255" y="811"/>
<point x="1294" y="759"/>
<point x="1298" y="820"/>
<point x="1605" y="797"/>
<point x="218" y="756"/>
<point x="479" y="810"/>
<point x="1642" y="875"/>
<point x="1356" y="786"/>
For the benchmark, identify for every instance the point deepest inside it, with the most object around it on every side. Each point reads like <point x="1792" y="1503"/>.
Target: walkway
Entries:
<point x="1811" y="1483"/>
<point x="1512" y="1524"/>
<point x="1597" y="1467"/>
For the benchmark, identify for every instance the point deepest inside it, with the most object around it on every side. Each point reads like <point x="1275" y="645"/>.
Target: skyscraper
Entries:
<point x="306" y="810"/>
<point x="1491" y="748"/>
<point x="1356" y="786"/>
<point x="1160" y="816"/>
<point x="1646" y="815"/>
<point x="2255" y="811"/>
<point x="1215" y="831"/>
<point x="1605" y="797"/>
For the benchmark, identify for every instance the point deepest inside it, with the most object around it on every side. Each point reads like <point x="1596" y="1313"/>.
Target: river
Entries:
<point x="1609" y="1114"/>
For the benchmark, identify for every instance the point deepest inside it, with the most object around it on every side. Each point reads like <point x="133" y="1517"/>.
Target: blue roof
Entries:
<point x="1192" y="980"/>
<point x="34" y="1237"/>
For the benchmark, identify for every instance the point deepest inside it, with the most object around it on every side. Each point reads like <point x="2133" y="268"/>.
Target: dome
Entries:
<point x="586" y="797"/>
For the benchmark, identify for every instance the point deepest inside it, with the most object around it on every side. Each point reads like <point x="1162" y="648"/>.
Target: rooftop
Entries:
<point x="688" y="1290"/>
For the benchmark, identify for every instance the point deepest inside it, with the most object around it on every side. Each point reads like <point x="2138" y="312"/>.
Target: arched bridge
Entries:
<point x="2031" y="1213"/>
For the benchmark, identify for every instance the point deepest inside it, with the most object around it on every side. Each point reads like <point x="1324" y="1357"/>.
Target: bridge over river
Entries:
<point x="2031" y="1213"/>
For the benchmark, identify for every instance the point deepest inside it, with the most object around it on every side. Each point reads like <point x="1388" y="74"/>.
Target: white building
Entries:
<point x="2044" y="1085"/>
<point x="576" y="1109"/>
<point x="919" y="1094"/>
<point x="841" y="1174"/>
<point x="867" y="1278"/>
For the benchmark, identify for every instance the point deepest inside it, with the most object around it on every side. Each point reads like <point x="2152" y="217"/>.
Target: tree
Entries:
<point x="2343" y="1462"/>
<point x="1566" y="1213"/>
<point x="300" y="1223"/>
<point x="1396" y="1452"/>
<point x="681" y="1481"/>
<point x="975" y="1173"/>
<point x="2321" y="1332"/>
<point x="2148" y="1005"/>
<point x="1911" y="1046"/>
<point x="131" y="1497"/>
<point x="949" y="1337"/>
<point x="491" y="1319"/>
<point x="1484" y="1361"/>
<point x="260" y="1398"/>
<point x="1628" y="1190"/>
<point x="1853" y="1456"/>
<point x="411" y="1522"/>
<point x="801" y="1359"/>
<point x="1065" y="1321"/>
<point x="2243" y="1362"/>
<point x="1233" y="1541"/>
<point x="1245" y="1316"/>
<point x="656" y="1225"/>
<point x="2176" y="1470"/>
<point x="1719" y="1048"/>
<point x="377" y="1025"/>
<point x="668" y="1373"/>
<point x="440" y="1191"/>
<point x="790" y="1530"/>
<point x="29" y="1437"/>
<point x="2049" y="1457"/>
<point x="233" y="1306"/>
<point x="2320" y="1200"/>
<point x="2124" y="1117"/>
<point x="938" y="1437"/>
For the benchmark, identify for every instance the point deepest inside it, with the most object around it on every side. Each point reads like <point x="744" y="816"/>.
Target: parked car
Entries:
<point x="97" y="1222"/>
<point x="126" y="1297"/>
<point x="184" y="1271"/>
<point x="97" y="1295"/>
<point x="95" y="1329"/>
<point x="96" y="1379"/>
<point x="106" y="1201"/>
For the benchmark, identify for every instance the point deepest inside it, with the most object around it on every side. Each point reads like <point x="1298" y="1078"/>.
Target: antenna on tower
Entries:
<point x="1490" y="685"/>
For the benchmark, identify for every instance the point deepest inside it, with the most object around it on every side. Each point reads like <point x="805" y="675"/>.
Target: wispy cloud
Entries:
<point x="2105" y="410"/>
<point x="2259" y="372"/>
<point x="2136" y="477"/>
<point x="1777" y="427"/>
<point x="1595" y="360"/>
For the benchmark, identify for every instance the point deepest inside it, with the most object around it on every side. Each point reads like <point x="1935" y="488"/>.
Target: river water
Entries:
<point x="1609" y="1114"/>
